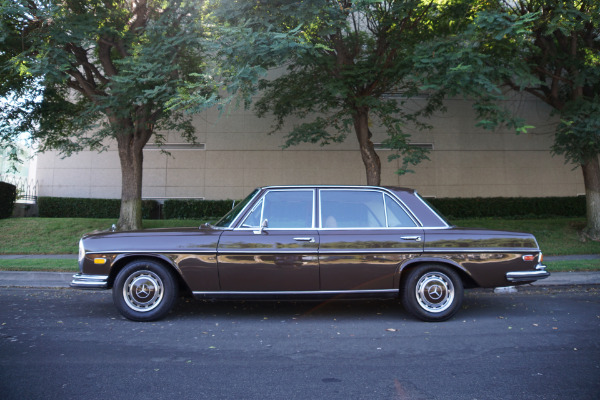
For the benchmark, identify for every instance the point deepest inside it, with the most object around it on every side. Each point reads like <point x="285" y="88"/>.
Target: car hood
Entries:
<point x="161" y="240"/>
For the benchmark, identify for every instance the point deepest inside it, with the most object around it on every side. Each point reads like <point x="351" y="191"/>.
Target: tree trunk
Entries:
<point x="367" y="150"/>
<point x="131" y="144"/>
<point x="591" y="179"/>
<point x="132" y="158"/>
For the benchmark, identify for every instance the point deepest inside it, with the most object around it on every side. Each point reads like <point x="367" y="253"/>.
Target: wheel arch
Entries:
<point x="465" y="276"/>
<point x="123" y="259"/>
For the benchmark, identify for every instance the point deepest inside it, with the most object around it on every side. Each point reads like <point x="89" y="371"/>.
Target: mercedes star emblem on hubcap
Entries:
<point x="142" y="291"/>
<point x="435" y="292"/>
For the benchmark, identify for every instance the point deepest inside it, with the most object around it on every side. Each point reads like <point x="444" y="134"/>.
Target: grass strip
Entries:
<point x="60" y="235"/>
<point x="39" y="264"/>
<point x="573" y="266"/>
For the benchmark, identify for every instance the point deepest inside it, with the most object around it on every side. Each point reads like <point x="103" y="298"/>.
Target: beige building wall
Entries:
<point x="239" y="155"/>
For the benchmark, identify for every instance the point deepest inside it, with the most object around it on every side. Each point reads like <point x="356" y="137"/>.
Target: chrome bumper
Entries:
<point x="528" y="276"/>
<point x="83" y="281"/>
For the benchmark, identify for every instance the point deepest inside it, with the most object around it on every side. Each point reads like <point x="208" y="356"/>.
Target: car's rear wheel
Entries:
<point x="144" y="290"/>
<point x="432" y="292"/>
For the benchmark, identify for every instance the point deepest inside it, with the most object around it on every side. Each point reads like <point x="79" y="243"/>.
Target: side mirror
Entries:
<point x="265" y="224"/>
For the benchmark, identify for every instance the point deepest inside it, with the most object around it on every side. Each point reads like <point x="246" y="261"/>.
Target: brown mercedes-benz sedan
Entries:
<point x="310" y="242"/>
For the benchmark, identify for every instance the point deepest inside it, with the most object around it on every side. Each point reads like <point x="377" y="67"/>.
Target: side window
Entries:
<point x="352" y="209"/>
<point x="283" y="209"/>
<point x="396" y="216"/>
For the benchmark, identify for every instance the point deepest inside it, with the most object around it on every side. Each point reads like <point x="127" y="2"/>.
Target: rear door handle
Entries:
<point x="304" y="239"/>
<point x="415" y="238"/>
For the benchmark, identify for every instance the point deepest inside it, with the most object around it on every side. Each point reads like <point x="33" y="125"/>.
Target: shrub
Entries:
<point x="72" y="207"/>
<point x="453" y="208"/>
<point x="510" y="207"/>
<point x="8" y="196"/>
<point x="196" y="209"/>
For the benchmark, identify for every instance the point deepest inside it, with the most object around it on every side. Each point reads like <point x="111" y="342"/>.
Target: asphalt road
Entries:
<point x="540" y="343"/>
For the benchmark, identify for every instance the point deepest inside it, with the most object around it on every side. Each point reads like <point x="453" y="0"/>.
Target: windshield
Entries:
<point x="228" y="219"/>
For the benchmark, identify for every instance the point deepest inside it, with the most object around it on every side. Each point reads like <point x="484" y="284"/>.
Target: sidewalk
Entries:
<point x="62" y="279"/>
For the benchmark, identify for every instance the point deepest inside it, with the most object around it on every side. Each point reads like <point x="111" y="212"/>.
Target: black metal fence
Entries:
<point x="26" y="189"/>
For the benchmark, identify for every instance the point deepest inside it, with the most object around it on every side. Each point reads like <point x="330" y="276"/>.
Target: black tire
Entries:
<point x="144" y="290"/>
<point x="432" y="293"/>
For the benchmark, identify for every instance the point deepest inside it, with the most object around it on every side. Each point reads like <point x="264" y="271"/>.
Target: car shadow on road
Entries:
<point x="478" y="303"/>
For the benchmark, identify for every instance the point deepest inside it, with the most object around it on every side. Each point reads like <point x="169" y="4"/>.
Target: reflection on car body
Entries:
<point x="310" y="242"/>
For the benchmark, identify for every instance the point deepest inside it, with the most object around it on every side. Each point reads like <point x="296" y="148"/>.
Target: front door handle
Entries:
<point x="304" y="239"/>
<point x="415" y="238"/>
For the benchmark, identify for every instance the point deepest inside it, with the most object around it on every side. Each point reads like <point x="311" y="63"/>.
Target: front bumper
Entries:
<point x="83" y="281"/>
<point x="528" y="276"/>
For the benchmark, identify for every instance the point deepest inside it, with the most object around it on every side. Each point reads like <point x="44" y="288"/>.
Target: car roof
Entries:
<point x="392" y="188"/>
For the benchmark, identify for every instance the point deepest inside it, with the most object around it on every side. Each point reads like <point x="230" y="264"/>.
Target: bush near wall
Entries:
<point x="70" y="207"/>
<point x="453" y="208"/>
<point x="510" y="207"/>
<point x="196" y="209"/>
<point x="8" y="196"/>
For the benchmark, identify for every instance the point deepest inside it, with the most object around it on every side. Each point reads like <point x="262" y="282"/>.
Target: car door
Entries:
<point x="274" y="248"/>
<point x="365" y="235"/>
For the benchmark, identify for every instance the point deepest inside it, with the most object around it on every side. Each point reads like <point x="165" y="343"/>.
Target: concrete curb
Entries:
<point x="570" y="278"/>
<point x="35" y="279"/>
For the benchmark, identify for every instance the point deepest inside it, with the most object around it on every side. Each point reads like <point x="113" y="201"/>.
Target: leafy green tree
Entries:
<point x="92" y="72"/>
<point x="348" y="56"/>
<point x="547" y="48"/>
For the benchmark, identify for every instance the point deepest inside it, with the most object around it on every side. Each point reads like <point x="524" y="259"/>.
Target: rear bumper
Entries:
<point x="528" y="276"/>
<point x="83" y="281"/>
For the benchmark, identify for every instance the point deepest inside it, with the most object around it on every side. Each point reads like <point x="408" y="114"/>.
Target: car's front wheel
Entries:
<point x="432" y="292"/>
<point x="144" y="290"/>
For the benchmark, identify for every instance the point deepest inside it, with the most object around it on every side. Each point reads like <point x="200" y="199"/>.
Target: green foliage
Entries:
<point x="548" y="49"/>
<point x="343" y="59"/>
<point x="243" y="40"/>
<point x="196" y="209"/>
<point x="510" y="207"/>
<point x="102" y="73"/>
<point x="578" y="133"/>
<point x="71" y="207"/>
<point x="8" y="196"/>
<point x="90" y="60"/>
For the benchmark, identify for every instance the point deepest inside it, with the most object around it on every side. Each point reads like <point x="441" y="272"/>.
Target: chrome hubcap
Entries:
<point x="435" y="292"/>
<point x="143" y="291"/>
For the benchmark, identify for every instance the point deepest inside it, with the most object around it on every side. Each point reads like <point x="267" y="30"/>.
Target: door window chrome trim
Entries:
<point x="262" y="202"/>
<point x="267" y="229"/>
<point x="383" y="191"/>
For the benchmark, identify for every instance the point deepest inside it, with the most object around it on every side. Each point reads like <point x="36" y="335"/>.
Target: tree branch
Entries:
<point x="140" y="15"/>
